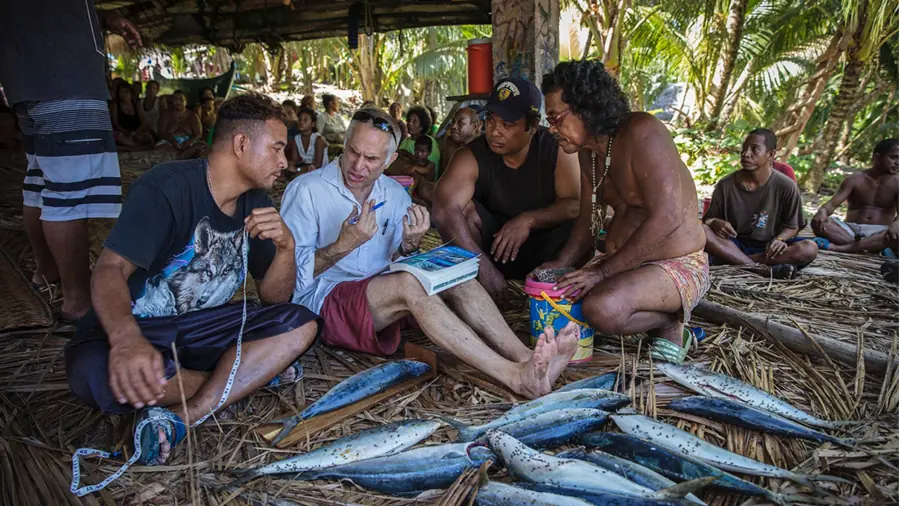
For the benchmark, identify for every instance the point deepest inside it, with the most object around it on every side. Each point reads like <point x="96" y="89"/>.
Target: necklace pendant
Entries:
<point x="593" y="198"/>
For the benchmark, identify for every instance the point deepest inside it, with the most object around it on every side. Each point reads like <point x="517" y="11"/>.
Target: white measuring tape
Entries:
<point x="91" y="452"/>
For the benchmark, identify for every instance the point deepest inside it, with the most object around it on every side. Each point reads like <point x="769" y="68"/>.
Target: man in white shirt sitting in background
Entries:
<point x="344" y="244"/>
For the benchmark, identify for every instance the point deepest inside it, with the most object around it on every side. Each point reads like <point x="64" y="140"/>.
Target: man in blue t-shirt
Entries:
<point x="189" y="233"/>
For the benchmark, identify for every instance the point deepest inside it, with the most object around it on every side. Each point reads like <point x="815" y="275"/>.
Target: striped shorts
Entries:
<point x="73" y="168"/>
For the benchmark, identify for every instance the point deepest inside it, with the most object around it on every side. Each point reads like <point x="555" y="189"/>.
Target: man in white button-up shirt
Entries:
<point x="345" y="241"/>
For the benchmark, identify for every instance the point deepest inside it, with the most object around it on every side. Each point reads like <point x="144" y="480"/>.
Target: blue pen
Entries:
<point x="374" y="208"/>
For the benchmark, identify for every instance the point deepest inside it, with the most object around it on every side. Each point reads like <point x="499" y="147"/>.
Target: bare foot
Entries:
<point x="532" y="382"/>
<point x="567" y="345"/>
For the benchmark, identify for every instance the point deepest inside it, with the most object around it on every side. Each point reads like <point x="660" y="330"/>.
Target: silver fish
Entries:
<point x="554" y="428"/>
<point x="631" y="470"/>
<point x="685" y="443"/>
<point x="584" y="398"/>
<point x="376" y="442"/>
<point x="711" y="384"/>
<point x="501" y="494"/>
<point x="537" y="467"/>
<point x="605" y="381"/>
<point x="736" y="413"/>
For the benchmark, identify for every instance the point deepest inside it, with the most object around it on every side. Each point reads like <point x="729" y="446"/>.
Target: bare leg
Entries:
<point x="833" y="232"/>
<point x="724" y="249"/>
<point x="68" y="241"/>
<point x="395" y="295"/>
<point x="260" y="362"/>
<point x="873" y="244"/>
<point x="641" y="300"/>
<point x="798" y="253"/>
<point x="472" y="303"/>
<point x="46" y="271"/>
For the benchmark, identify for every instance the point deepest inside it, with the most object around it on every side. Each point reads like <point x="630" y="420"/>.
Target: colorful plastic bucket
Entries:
<point x="405" y="181"/>
<point x="547" y="307"/>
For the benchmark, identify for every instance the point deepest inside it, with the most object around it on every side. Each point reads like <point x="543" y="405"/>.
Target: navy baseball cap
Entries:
<point x="513" y="98"/>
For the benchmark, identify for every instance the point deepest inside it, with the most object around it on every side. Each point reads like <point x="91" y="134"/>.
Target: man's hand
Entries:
<point x="819" y="221"/>
<point x="722" y="228"/>
<point x="577" y="284"/>
<point x="775" y="248"/>
<point x="122" y="26"/>
<point x="510" y="238"/>
<point x="493" y="282"/>
<point x="890" y="236"/>
<point x="415" y="224"/>
<point x="358" y="228"/>
<point x="136" y="372"/>
<point x="266" y="223"/>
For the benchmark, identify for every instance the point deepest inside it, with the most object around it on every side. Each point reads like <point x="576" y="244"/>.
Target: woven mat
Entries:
<point x="23" y="307"/>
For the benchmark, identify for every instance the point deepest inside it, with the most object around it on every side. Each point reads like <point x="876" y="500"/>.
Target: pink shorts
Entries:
<point x="349" y="324"/>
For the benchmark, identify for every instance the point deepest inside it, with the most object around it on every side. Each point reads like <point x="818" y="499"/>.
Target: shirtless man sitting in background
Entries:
<point x="871" y="196"/>
<point x="654" y="271"/>
<point x="181" y="127"/>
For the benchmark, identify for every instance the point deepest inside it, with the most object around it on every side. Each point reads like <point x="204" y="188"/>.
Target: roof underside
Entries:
<point x="232" y="23"/>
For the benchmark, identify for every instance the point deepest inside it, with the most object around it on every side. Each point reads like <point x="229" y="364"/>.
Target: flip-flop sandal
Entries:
<point x="783" y="271"/>
<point x="157" y="417"/>
<point x="822" y="242"/>
<point x="667" y="351"/>
<point x="298" y="375"/>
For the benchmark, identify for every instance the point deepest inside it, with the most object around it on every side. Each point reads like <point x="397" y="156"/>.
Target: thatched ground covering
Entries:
<point x="840" y="296"/>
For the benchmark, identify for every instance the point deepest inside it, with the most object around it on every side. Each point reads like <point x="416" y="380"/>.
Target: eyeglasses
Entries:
<point x="554" y="120"/>
<point x="377" y="122"/>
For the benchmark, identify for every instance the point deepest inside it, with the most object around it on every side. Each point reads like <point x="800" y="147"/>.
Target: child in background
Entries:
<point x="423" y="170"/>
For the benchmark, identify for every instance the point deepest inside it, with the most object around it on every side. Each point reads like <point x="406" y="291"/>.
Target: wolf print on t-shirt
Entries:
<point x="206" y="273"/>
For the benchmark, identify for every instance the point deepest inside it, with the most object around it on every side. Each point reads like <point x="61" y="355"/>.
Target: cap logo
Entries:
<point x="506" y="89"/>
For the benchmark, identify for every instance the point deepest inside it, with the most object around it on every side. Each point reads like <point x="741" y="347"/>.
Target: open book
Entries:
<point x="440" y="268"/>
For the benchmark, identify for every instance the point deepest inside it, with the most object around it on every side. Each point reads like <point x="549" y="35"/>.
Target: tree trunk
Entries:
<point x="797" y="116"/>
<point x="826" y="143"/>
<point x="734" y="29"/>
<point x="273" y="57"/>
<point x="365" y="60"/>
<point x="606" y="19"/>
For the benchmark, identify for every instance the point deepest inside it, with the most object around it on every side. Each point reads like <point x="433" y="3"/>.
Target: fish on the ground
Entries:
<point x="500" y="494"/>
<point x="677" y="440"/>
<point x="706" y="382"/>
<point x="631" y="470"/>
<point x="534" y="466"/>
<point x="375" y="442"/>
<point x="355" y="388"/>
<point x="425" y="468"/>
<point x="742" y="415"/>
<point x="583" y="398"/>
<point x="554" y="428"/>
<point x="603" y="381"/>
<point x="675" y="465"/>
<point x="601" y="498"/>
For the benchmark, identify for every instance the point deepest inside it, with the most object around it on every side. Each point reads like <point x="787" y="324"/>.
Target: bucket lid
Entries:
<point x="534" y="288"/>
<point x="484" y="40"/>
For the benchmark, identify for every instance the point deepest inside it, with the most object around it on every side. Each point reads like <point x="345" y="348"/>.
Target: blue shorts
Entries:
<point x="754" y="247"/>
<point x="200" y="337"/>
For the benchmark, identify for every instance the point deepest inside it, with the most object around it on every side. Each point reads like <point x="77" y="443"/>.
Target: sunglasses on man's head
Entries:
<point x="377" y="122"/>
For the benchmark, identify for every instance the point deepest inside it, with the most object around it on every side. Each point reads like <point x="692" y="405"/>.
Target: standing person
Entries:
<point x="151" y="107"/>
<point x="310" y="150"/>
<point x="53" y="68"/>
<point x="756" y="213"/>
<point x="871" y="197"/>
<point x="190" y="233"/>
<point x="418" y="123"/>
<point x="396" y="112"/>
<point x="330" y="123"/>
<point x="344" y="244"/>
<point x="511" y="193"/>
<point x="654" y="271"/>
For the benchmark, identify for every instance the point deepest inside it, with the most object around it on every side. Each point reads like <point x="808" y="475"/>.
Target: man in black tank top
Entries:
<point x="510" y="194"/>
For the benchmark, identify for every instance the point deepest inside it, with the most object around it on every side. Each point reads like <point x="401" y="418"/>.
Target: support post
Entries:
<point x="526" y="38"/>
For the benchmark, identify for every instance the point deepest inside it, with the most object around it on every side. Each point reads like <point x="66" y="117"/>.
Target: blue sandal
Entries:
<point x="152" y="418"/>
<point x="298" y="375"/>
